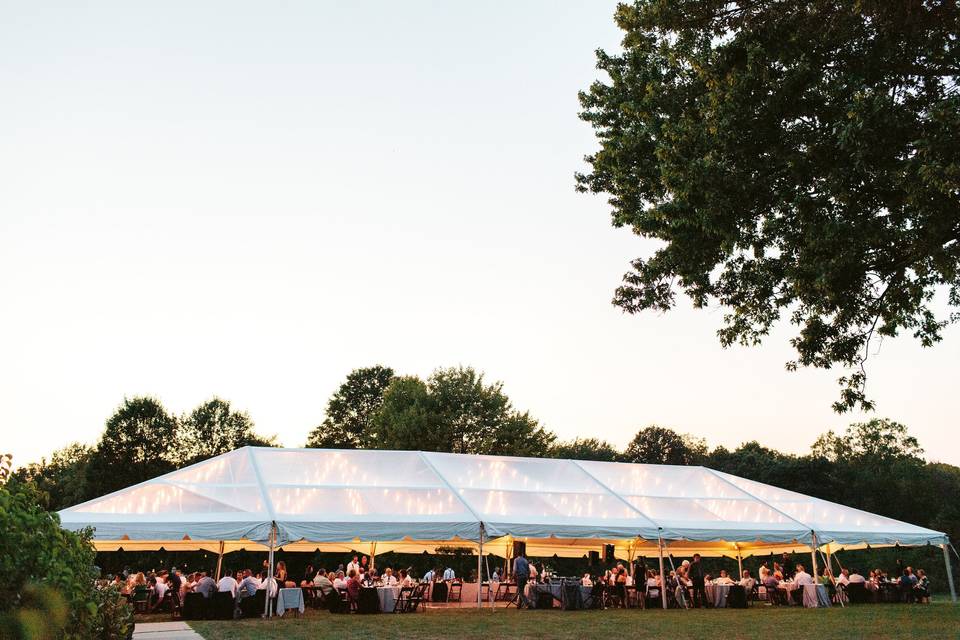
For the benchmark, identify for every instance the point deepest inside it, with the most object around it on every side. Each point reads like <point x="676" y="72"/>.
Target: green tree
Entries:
<point x="585" y="449"/>
<point x="215" y="428"/>
<point x="660" y="445"/>
<point x="456" y="411"/>
<point x="351" y="409"/>
<point x="793" y="158"/>
<point x="61" y="481"/>
<point x="879" y="441"/>
<point x="138" y="444"/>
<point x="47" y="589"/>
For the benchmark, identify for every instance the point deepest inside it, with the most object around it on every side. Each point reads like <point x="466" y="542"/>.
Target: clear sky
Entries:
<point x="252" y="199"/>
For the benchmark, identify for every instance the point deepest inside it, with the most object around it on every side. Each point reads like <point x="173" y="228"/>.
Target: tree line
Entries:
<point x="876" y="465"/>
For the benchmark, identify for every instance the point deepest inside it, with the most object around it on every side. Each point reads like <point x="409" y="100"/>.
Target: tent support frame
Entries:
<point x="480" y="569"/>
<point x="663" y="580"/>
<point x="946" y="561"/>
<point x="267" y="612"/>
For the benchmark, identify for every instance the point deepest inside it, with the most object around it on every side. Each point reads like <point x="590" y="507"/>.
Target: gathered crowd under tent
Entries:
<point x="410" y="501"/>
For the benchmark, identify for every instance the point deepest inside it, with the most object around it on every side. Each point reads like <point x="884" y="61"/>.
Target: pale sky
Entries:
<point x="252" y="199"/>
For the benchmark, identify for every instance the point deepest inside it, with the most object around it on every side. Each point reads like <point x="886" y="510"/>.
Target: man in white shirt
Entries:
<point x="856" y="578"/>
<point x="844" y="577"/>
<point x="429" y="575"/>
<point x="724" y="578"/>
<point x="354" y="566"/>
<point x="801" y="577"/>
<point x="228" y="584"/>
<point x="448" y="574"/>
<point x="746" y="581"/>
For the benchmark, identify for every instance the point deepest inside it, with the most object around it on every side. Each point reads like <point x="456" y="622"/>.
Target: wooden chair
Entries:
<point x="456" y="588"/>
<point x="418" y="597"/>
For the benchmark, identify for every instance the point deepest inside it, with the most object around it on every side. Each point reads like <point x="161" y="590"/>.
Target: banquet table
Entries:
<point x="814" y="595"/>
<point x="290" y="599"/>
<point x="573" y="599"/>
<point x="388" y="598"/>
<point x="717" y="594"/>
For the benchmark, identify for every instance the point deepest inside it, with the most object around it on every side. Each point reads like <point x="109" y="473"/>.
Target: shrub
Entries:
<point x="47" y="570"/>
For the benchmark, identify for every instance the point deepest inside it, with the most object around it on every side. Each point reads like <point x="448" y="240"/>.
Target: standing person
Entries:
<point x="521" y="571"/>
<point x="448" y="574"/>
<point x="695" y="573"/>
<point x="353" y="565"/>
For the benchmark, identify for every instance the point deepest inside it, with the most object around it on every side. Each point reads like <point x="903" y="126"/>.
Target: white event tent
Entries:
<point x="259" y="498"/>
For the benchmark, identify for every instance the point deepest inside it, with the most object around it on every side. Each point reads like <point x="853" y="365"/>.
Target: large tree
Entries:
<point x="61" y="480"/>
<point x="585" y="449"/>
<point x="138" y="444"/>
<point x="214" y="428"/>
<point x="660" y="445"/>
<point x="350" y="410"/>
<point x="792" y="158"/>
<point x="457" y="412"/>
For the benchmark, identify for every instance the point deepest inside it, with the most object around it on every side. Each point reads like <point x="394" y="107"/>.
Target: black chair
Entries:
<point x="418" y="597"/>
<point x="456" y="587"/>
<point x="543" y="599"/>
<point x="737" y="598"/>
<point x="193" y="606"/>
<point x="402" y="603"/>
<point x="572" y="596"/>
<point x="368" y="601"/>
<point x="254" y="606"/>
<point x="857" y="593"/>
<point x="222" y="605"/>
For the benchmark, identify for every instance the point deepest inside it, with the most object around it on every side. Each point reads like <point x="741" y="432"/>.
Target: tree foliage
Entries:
<point x="351" y="409"/>
<point x="455" y="411"/>
<point x="795" y="159"/>
<point x="138" y="443"/>
<point x="60" y="481"/>
<point x="42" y="565"/>
<point x="214" y="428"/>
<point x="659" y="445"/>
<point x="878" y="441"/>
<point x="585" y="449"/>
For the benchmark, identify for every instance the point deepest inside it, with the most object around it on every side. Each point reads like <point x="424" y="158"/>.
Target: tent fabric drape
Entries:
<point x="417" y="501"/>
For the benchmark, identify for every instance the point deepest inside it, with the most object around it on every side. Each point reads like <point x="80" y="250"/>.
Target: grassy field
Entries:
<point x="929" y="622"/>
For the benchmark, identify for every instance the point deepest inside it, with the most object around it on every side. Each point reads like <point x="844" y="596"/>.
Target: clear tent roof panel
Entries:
<point x="334" y="495"/>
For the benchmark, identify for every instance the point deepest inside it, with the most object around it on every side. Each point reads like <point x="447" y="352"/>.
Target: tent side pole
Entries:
<point x="267" y="613"/>
<point x="219" y="561"/>
<point x="813" y="553"/>
<point x="946" y="561"/>
<point x="663" y="580"/>
<point x="739" y="564"/>
<point x="480" y="569"/>
<point x="373" y="556"/>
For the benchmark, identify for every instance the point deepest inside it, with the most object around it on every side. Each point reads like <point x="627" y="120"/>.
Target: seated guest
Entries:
<point x="906" y="583"/>
<point x="724" y="578"/>
<point x="339" y="582"/>
<point x="771" y="581"/>
<point x="369" y="579"/>
<point x="248" y="585"/>
<point x="873" y="582"/>
<point x="389" y="580"/>
<point x="159" y="585"/>
<point x="922" y="587"/>
<point x="801" y="577"/>
<point x="353" y="587"/>
<point x="533" y="574"/>
<point x="585" y="581"/>
<point x="268" y="584"/>
<point x="746" y="581"/>
<point x="405" y="579"/>
<point x="496" y="576"/>
<point x="844" y="577"/>
<point x="228" y="584"/>
<point x="308" y="576"/>
<point x="855" y="577"/>
<point x="764" y="571"/>
<point x="322" y="582"/>
<point x="205" y="585"/>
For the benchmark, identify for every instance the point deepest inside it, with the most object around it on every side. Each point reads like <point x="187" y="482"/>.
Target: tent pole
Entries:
<point x="480" y="569"/>
<point x="267" y="613"/>
<point x="946" y="560"/>
<point x="663" y="580"/>
<point x="373" y="556"/>
<point x="739" y="564"/>
<point x="220" y="561"/>
<point x="813" y="553"/>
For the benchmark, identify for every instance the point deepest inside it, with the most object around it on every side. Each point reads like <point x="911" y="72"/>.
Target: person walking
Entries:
<point x="695" y="573"/>
<point x="521" y="571"/>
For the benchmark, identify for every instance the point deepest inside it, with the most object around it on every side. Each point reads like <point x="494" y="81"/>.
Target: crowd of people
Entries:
<point x="686" y="585"/>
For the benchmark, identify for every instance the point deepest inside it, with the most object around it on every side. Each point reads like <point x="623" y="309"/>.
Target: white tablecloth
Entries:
<point x="388" y="598"/>
<point x="814" y="595"/>
<point x="717" y="594"/>
<point x="289" y="599"/>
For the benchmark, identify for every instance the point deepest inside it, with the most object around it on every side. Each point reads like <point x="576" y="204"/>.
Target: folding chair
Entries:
<point x="456" y="588"/>
<point x="402" y="603"/>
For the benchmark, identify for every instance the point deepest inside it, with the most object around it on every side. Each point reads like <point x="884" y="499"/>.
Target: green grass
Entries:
<point x="928" y="622"/>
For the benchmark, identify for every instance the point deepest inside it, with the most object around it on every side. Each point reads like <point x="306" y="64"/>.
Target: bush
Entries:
<point x="47" y="570"/>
